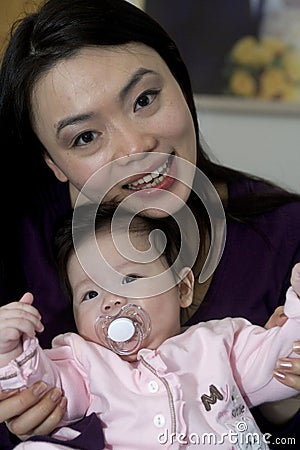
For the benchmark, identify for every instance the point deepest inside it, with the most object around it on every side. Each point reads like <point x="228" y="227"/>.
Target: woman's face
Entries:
<point x="118" y="105"/>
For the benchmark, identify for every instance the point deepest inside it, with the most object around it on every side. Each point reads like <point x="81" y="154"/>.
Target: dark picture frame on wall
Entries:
<point x="205" y="31"/>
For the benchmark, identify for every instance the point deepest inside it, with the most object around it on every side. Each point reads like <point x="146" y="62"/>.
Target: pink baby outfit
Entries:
<point x="193" y="392"/>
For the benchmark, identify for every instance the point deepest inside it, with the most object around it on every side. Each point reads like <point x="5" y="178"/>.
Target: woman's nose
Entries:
<point x="133" y="141"/>
<point x="113" y="304"/>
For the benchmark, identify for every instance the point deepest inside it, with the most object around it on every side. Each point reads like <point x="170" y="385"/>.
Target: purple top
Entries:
<point x="257" y="260"/>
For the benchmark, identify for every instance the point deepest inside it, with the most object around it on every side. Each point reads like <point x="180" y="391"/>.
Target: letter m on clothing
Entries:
<point x="209" y="400"/>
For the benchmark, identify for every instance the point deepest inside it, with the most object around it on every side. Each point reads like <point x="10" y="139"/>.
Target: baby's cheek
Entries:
<point x="88" y="332"/>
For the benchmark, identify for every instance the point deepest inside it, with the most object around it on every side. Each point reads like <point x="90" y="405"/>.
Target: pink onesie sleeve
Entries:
<point x="59" y="366"/>
<point x="256" y="350"/>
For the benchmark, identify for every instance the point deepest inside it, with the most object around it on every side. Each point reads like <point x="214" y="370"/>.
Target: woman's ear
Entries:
<point x="186" y="287"/>
<point x="55" y="169"/>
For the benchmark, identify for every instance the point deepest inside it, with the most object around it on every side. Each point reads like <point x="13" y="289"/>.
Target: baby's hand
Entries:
<point x="277" y="319"/>
<point x="16" y="319"/>
<point x="295" y="279"/>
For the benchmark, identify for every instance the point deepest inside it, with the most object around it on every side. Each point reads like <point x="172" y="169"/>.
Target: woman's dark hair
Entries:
<point x="102" y="217"/>
<point x="58" y="30"/>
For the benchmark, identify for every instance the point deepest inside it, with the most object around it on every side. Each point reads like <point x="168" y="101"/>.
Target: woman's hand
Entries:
<point x="33" y="411"/>
<point x="287" y="370"/>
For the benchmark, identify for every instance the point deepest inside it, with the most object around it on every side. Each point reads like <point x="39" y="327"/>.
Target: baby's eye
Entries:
<point x="145" y="99"/>
<point x="89" y="295"/>
<point x="85" y="138"/>
<point x="130" y="278"/>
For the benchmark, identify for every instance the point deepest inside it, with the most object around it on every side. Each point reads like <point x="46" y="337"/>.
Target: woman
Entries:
<point x="86" y="83"/>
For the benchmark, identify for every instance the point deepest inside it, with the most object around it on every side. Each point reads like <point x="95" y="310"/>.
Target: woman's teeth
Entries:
<point x="152" y="179"/>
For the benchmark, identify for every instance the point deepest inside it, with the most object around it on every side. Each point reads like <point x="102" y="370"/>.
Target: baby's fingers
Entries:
<point x="277" y="319"/>
<point x="19" y="309"/>
<point x="15" y="327"/>
<point x="27" y="298"/>
<point x="295" y="279"/>
<point x="21" y="317"/>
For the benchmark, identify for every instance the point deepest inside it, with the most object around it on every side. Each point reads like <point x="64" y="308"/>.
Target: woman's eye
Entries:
<point x="145" y="99"/>
<point x="89" y="295"/>
<point x="85" y="138"/>
<point x="130" y="278"/>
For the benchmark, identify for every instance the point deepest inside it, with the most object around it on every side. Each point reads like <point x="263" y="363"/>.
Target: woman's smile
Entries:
<point x="158" y="178"/>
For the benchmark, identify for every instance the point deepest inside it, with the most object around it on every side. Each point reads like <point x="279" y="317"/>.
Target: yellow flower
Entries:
<point x="273" y="84"/>
<point x="263" y="55"/>
<point x="250" y="52"/>
<point x="242" y="83"/>
<point x="243" y="52"/>
<point x="275" y="45"/>
<point x="268" y="68"/>
<point x="291" y="63"/>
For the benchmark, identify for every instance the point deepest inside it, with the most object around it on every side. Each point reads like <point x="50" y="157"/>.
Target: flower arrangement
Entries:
<point x="266" y="68"/>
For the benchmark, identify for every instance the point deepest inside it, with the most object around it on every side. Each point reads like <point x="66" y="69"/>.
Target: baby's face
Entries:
<point x="91" y="300"/>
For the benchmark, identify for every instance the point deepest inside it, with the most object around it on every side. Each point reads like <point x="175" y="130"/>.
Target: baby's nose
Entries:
<point x="113" y="304"/>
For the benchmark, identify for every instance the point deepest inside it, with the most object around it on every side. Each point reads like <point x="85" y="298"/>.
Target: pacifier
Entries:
<point x="125" y="331"/>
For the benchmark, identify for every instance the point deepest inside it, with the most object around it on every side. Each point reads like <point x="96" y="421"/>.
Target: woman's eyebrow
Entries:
<point x="134" y="79"/>
<point x="72" y="121"/>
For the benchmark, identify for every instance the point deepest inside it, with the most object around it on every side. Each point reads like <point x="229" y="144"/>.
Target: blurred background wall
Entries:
<point x="10" y="10"/>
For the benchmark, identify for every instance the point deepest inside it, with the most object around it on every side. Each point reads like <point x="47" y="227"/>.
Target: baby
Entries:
<point x="131" y="363"/>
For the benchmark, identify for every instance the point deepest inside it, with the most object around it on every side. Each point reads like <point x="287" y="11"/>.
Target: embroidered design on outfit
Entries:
<point x="18" y="364"/>
<point x="211" y="399"/>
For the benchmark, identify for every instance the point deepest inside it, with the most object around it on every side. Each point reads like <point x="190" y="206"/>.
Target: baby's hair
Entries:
<point x="140" y="224"/>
